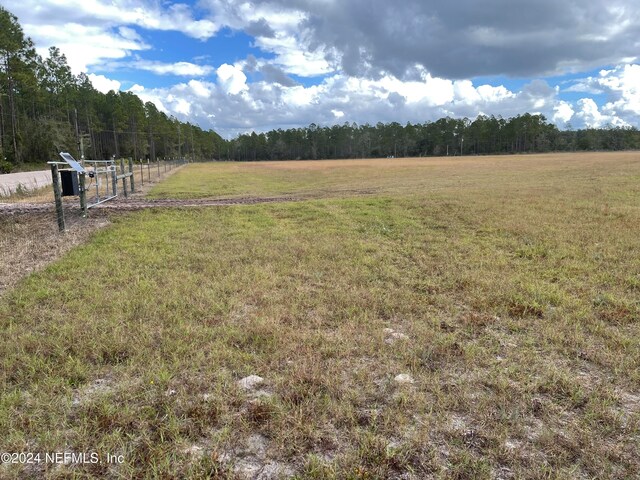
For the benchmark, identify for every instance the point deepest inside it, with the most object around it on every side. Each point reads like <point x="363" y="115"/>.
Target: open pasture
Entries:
<point x="410" y="318"/>
<point x="400" y="176"/>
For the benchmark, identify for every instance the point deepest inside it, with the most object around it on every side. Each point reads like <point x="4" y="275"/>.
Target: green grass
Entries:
<point x="519" y="300"/>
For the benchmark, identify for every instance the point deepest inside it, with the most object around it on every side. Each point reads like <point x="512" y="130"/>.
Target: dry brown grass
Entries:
<point x="584" y="159"/>
<point x="400" y="176"/>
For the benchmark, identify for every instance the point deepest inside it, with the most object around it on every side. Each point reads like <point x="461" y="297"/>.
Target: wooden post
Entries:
<point x="141" y="174"/>
<point x="124" y="179"/>
<point x="57" y="193"/>
<point x="149" y="169"/>
<point x="158" y="165"/>
<point x="131" y="171"/>
<point x="83" y="194"/>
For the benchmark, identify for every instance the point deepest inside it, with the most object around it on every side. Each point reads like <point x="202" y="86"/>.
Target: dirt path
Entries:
<point x="140" y="203"/>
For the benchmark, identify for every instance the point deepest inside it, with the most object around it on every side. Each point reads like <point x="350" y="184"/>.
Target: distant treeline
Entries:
<point x="447" y="136"/>
<point x="45" y="109"/>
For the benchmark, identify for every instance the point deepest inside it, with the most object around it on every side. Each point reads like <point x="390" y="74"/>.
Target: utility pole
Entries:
<point x="1" y="128"/>
<point x="193" y="152"/>
<point x="78" y="137"/>
<point x="179" y="142"/>
<point x="115" y="137"/>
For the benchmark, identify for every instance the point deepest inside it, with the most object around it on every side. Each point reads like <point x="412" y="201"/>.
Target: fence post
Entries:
<point x="165" y="164"/>
<point x="83" y="194"/>
<point x="149" y="169"/>
<point x="133" y="189"/>
<point x="141" y="174"/>
<point x="58" y="196"/>
<point x="124" y="179"/>
<point x="158" y="165"/>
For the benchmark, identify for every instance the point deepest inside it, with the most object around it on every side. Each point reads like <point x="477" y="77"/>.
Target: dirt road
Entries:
<point x="10" y="182"/>
<point x="138" y="204"/>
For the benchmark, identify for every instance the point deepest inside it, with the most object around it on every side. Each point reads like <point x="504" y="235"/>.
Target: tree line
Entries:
<point x="45" y="109"/>
<point x="447" y="136"/>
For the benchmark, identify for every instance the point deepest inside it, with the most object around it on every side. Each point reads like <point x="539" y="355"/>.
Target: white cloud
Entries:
<point x="186" y="69"/>
<point x="590" y="114"/>
<point x="262" y="106"/>
<point x="232" y="79"/>
<point x="621" y="87"/>
<point x="149" y="14"/>
<point x="150" y="96"/>
<point x="179" y="105"/>
<point x="201" y="89"/>
<point x="294" y="58"/>
<point x="277" y="29"/>
<point x="90" y="32"/>
<point x="85" y="46"/>
<point x="562" y="113"/>
<point x="104" y="84"/>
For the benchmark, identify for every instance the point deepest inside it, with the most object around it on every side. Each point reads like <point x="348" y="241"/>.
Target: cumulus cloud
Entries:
<point x="621" y="88"/>
<point x="590" y="114"/>
<point x="231" y="106"/>
<point x="562" y="113"/>
<point x="231" y="79"/>
<point x="104" y="84"/>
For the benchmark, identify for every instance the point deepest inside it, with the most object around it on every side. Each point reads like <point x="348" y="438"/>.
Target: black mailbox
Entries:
<point x="70" y="186"/>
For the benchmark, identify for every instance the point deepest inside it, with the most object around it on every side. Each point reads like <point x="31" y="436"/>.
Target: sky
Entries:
<point x="239" y="66"/>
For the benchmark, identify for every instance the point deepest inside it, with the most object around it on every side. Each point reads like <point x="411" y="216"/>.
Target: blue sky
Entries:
<point x="237" y="66"/>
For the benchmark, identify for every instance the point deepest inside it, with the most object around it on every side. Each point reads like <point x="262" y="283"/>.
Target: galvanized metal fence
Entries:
<point x="96" y="181"/>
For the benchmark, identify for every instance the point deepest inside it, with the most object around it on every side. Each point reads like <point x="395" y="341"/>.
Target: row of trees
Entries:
<point x="446" y="136"/>
<point x="45" y="109"/>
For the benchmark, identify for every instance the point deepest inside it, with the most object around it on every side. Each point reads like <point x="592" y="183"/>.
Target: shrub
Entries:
<point x="5" y="167"/>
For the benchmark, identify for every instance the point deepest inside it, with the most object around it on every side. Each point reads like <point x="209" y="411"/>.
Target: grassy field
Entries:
<point x="436" y="318"/>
